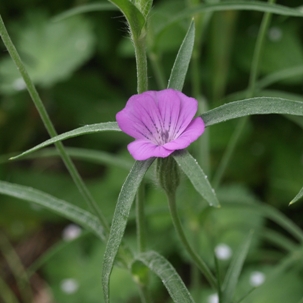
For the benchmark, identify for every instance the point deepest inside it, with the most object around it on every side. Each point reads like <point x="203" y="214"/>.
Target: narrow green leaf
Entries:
<point x="179" y="70"/>
<point x="61" y="207"/>
<point x="92" y="7"/>
<point x="233" y="5"/>
<point x="297" y="197"/>
<point x="234" y="270"/>
<point x="84" y="130"/>
<point x="144" y="6"/>
<point x="168" y="275"/>
<point x="125" y="200"/>
<point x="197" y="177"/>
<point x="253" y="106"/>
<point x="134" y="17"/>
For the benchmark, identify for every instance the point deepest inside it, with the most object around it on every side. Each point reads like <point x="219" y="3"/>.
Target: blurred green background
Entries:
<point x="84" y="70"/>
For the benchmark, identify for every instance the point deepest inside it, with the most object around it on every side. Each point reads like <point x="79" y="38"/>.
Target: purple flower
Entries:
<point x="161" y="122"/>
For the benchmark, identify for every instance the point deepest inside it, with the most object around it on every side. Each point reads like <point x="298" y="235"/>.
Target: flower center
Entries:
<point x="164" y="136"/>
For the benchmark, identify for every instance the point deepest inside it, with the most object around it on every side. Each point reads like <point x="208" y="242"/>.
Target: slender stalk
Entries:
<point x="49" y="126"/>
<point x="142" y="86"/>
<point x="198" y="261"/>
<point x="250" y="92"/>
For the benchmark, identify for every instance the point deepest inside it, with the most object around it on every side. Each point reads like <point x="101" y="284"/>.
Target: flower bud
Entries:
<point x="168" y="174"/>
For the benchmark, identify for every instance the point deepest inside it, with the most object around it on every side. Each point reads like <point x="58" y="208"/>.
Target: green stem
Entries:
<point x="251" y="89"/>
<point x="49" y="126"/>
<point x="141" y="62"/>
<point x="198" y="261"/>
<point x="142" y="86"/>
<point x="140" y="219"/>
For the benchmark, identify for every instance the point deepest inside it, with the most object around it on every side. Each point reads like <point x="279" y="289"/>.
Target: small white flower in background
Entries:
<point x="275" y="34"/>
<point x="69" y="286"/>
<point x="223" y="251"/>
<point x="71" y="232"/>
<point x="214" y="298"/>
<point x="19" y="84"/>
<point x="256" y="278"/>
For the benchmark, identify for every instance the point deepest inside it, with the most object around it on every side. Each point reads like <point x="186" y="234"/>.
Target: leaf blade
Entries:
<point x="58" y="206"/>
<point x="134" y="17"/>
<point x="180" y="67"/>
<point x="166" y="272"/>
<point x="84" y="130"/>
<point x="197" y="177"/>
<point x="126" y="197"/>
<point x="253" y="106"/>
<point x="297" y="197"/>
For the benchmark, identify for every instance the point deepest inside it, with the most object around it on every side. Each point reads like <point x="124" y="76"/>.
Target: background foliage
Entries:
<point x="84" y="69"/>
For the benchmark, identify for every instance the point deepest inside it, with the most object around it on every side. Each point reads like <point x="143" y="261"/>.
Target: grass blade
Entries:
<point x="61" y="207"/>
<point x="179" y="70"/>
<point x="84" y="130"/>
<point x="125" y="200"/>
<point x="234" y="270"/>
<point x="252" y="106"/>
<point x="197" y="177"/>
<point x="168" y="275"/>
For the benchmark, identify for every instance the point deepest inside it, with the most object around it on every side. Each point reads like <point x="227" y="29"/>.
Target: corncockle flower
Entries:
<point x="161" y="122"/>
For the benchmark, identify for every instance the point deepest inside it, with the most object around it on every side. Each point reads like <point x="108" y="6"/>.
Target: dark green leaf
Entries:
<point x="133" y="16"/>
<point x="168" y="275"/>
<point x="61" y="207"/>
<point x="197" y="177"/>
<point x="181" y="64"/>
<point x="253" y="106"/>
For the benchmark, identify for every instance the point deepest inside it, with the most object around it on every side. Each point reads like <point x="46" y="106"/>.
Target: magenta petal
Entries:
<point x="194" y="130"/>
<point x="143" y="149"/>
<point x="182" y="110"/>
<point x="138" y="117"/>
